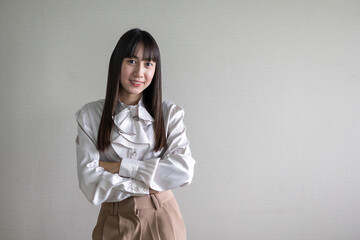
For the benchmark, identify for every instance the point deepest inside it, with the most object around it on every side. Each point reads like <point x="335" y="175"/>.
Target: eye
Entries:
<point x="149" y="64"/>
<point x="131" y="61"/>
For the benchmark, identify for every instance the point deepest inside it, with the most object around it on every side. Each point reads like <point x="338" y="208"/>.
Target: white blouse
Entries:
<point x="132" y="140"/>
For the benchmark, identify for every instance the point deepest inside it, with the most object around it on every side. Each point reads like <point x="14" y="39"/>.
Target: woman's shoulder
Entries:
<point x="169" y="106"/>
<point x="171" y="109"/>
<point x="92" y="109"/>
<point x="94" y="105"/>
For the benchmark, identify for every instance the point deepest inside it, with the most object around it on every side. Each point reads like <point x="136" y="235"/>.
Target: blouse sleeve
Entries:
<point x="97" y="184"/>
<point x="175" y="168"/>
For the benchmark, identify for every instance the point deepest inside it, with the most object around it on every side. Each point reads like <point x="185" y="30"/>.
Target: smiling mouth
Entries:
<point x="136" y="83"/>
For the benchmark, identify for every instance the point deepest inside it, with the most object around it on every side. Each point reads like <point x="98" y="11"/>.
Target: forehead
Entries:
<point x="139" y="51"/>
<point x="143" y="51"/>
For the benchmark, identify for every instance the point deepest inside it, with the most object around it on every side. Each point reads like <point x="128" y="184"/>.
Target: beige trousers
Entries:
<point x="153" y="217"/>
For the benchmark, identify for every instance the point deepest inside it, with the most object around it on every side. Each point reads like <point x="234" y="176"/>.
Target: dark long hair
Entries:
<point x="152" y="95"/>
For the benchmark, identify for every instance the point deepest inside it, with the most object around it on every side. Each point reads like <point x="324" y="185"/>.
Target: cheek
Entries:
<point x="125" y="71"/>
<point x="124" y="76"/>
<point x="150" y="75"/>
<point x="122" y="79"/>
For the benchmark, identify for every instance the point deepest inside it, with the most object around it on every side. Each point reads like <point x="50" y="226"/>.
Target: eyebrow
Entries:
<point x="146" y="59"/>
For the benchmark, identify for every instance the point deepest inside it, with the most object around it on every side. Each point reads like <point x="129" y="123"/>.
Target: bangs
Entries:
<point x="151" y="49"/>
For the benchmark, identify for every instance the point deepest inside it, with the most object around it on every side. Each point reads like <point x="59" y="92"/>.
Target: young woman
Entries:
<point x="132" y="148"/>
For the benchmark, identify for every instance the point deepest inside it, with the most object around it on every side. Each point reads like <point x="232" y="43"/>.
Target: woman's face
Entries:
<point x="136" y="76"/>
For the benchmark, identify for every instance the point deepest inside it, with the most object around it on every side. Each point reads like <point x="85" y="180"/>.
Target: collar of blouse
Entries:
<point x="130" y="121"/>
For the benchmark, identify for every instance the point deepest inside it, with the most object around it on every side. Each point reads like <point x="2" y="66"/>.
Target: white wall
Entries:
<point x="271" y="91"/>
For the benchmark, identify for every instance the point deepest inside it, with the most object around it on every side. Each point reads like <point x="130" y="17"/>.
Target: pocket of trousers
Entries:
<point x="110" y="229"/>
<point x="175" y="208"/>
<point x="99" y="227"/>
<point x="173" y="221"/>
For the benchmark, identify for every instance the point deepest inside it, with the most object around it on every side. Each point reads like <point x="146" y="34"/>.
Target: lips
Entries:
<point x="136" y="83"/>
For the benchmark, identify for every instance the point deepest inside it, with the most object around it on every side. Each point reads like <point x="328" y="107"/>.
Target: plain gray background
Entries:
<point x="271" y="92"/>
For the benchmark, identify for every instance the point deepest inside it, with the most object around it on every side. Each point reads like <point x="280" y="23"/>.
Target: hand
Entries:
<point x="113" y="167"/>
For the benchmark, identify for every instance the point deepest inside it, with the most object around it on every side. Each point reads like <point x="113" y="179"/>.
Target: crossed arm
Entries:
<point x="114" y="181"/>
<point x="114" y="167"/>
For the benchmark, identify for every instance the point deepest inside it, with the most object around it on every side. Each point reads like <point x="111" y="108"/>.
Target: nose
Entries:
<point x="139" y="70"/>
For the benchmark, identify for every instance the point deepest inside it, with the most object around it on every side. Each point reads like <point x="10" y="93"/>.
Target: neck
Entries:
<point x="130" y="99"/>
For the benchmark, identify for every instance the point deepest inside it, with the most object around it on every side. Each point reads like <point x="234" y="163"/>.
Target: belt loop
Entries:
<point x="135" y="203"/>
<point x="113" y="209"/>
<point x="155" y="201"/>
<point x="116" y="205"/>
<point x="160" y="201"/>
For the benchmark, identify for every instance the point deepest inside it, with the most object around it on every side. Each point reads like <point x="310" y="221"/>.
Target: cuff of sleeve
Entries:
<point x="129" y="167"/>
<point x="137" y="188"/>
